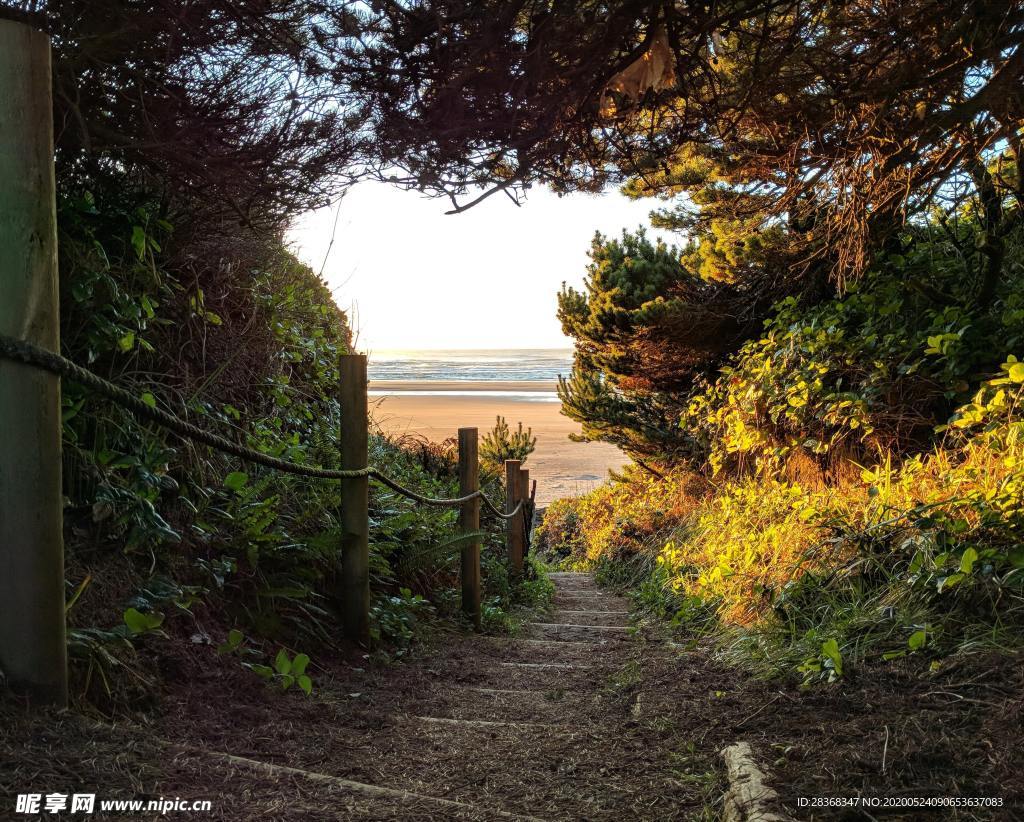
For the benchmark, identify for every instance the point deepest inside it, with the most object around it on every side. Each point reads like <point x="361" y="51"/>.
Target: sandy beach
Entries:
<point x="437" y="409"/>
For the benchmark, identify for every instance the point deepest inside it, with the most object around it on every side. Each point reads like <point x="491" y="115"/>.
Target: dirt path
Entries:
<point x="543" y="725"/>
<point x="526" y="727"/>
<point x="578" y="717"/>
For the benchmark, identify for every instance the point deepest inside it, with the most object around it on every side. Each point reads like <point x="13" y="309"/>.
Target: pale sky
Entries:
<point x="413" y="278"/>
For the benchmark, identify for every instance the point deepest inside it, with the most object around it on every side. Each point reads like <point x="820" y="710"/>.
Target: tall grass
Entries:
<point x="923" y="559"/>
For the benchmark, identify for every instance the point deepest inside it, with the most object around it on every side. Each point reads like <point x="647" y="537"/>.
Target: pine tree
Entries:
<point x="500" y="444"/>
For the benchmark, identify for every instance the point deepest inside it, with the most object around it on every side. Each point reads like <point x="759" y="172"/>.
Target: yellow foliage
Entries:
<point x="750" y="537"/>
<point x="734" y="547"/>
<point x="620" y="517"/>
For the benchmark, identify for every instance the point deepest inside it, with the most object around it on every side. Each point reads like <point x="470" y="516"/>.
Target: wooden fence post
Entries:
<point x="469" y="521"/>
<point x="33" y="651"/>
<point x="513" y="526"/>
<point x="524" y="495"/>
<point x="355" y="500"/>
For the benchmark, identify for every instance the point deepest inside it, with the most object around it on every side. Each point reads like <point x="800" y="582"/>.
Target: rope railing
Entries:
<point x="383" y="479"/>
<point x="31" y="515"/>
<point x="32" y="355"/>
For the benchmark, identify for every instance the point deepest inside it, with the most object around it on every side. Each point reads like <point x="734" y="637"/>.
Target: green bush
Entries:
<point x="862" y="376"/>
<point x="167" y="527"/>
<point x="858" y="498"/>
<point x="500" y="444"/>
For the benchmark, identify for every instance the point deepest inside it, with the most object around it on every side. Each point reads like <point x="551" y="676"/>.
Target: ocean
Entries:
<point x="434" y="393"/>
<point x="494" y="365"/>
<point x="507" y="365"/>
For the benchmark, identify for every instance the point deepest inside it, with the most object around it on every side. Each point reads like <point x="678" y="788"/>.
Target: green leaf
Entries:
<point x="282" y="663"/>
<point x="127" y="342"/>
<point x="916" y="563"/>
<point x="917" y="640"/>
<point x="139" y="241"/>
<point x="70" y="410"/>
<point x="830" y="650"/>
<point x="1016" y="372"/>
<point x="236" y="481"/>
<point x="306" y="684"/>
<point x="264" y="671"/>
<point x="149" y="399"/>
<point x="299" y="664"/>
<point x="1016" y="556"/>
<point x="139" y="623"/>
<point x="967" y="560"/>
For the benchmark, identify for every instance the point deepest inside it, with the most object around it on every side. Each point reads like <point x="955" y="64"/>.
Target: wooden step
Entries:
<point x="591" y="618"/>
<point x="575" y="631"/>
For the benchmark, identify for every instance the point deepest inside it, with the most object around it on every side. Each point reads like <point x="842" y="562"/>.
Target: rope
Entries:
<point x="32" y="355"/>
<point x="502" y="514"/>
<point x="28" y="354"/>
<point x="413" y="495"/>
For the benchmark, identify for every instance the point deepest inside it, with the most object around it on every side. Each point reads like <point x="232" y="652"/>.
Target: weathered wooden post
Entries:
<point x="514" y="525"/>
<point x="469" y="521"/>
<point x="33" y="653"/>
<point x="524" y="495"/>
<point x="355" y="500"/>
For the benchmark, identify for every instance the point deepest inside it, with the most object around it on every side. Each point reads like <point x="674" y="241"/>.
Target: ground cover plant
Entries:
<point x="818" y="524"/>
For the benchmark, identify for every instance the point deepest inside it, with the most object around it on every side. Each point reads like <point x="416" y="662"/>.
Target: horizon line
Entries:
<point x="468" y="348"/>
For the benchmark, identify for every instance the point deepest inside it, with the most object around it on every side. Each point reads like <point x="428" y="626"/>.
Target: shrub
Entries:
<point x="168" y="527"/>
<point x="861" y="377"/>
<point x="500" y="444"/>
<point x="919" y="558"/>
